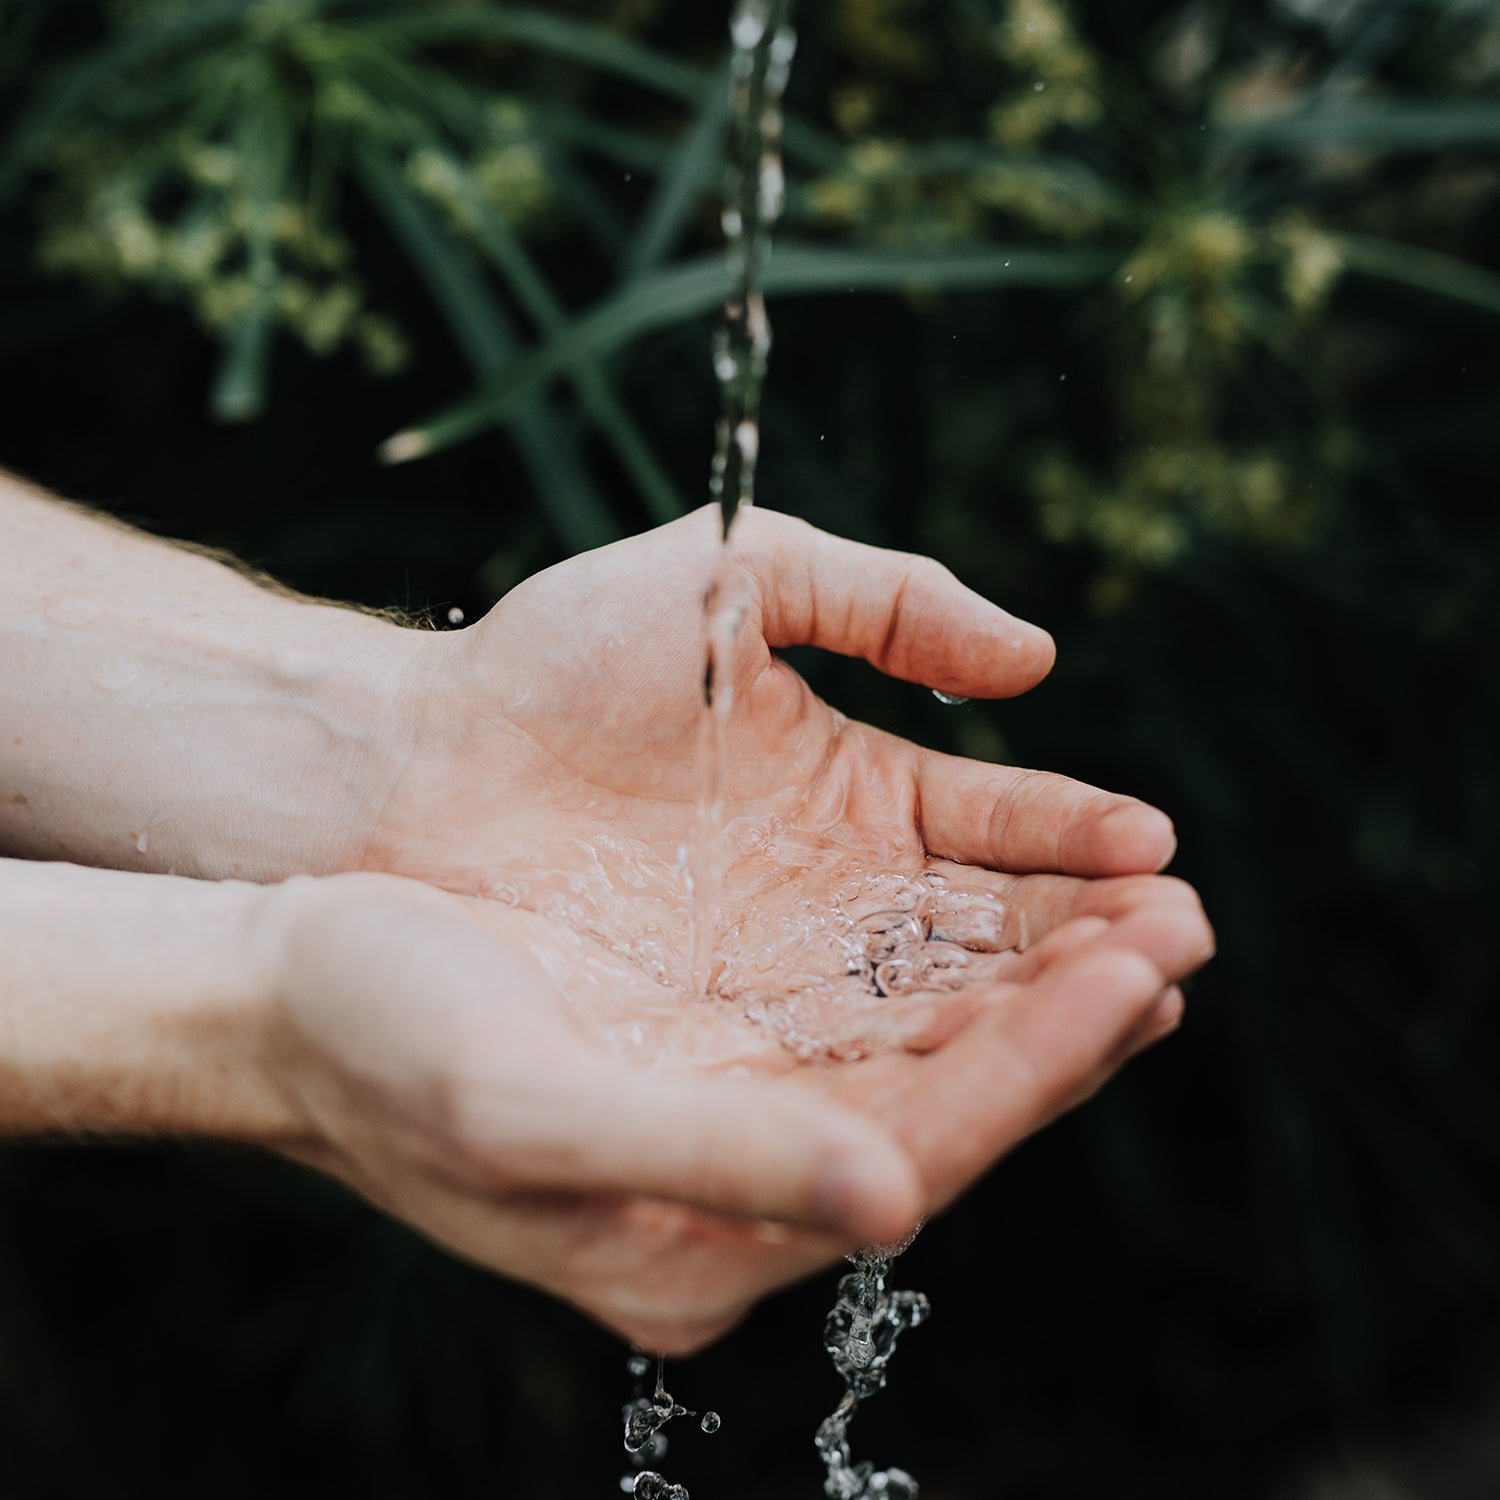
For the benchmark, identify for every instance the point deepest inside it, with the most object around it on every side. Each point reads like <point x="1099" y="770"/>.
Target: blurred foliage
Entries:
<point x="1175" y="326"/>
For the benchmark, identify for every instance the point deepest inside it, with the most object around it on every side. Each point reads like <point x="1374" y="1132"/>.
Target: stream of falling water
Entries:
<point x="862" y="1329"/>
<point x="754" y="189"/>
<point x="763" y="47"/>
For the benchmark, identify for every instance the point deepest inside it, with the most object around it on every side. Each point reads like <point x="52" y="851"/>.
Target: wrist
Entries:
<point x="351" y="692"/>
<point x="137" y="1006"/>
<point x="164" y="713"/>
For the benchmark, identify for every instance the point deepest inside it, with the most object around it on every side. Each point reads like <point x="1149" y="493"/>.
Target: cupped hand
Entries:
<point x="556" y="777"/>
<point x="440" y="1071"/>
<point x="573" y="708"/>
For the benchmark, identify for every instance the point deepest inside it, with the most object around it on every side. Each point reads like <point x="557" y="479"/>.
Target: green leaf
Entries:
<point x="73" y="88"/>
<point x="267" y="146"/>
<point x="1425" y="270"/>
<point x="698" y="161"/>
<point x="1382" y="125"/>
<point x="482" y="330"/>
<point x="597" y="395"/>
<point x="593" y="46"/>
<point x="694" y="287"/>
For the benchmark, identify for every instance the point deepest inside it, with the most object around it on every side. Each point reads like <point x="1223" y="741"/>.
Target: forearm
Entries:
<point x="158" y="711"/>
<point x="136" y="1005"/>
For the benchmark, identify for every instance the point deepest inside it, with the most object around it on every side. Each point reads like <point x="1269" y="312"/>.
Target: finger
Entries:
<point x="1173" y="935"/>
<point x="1017" y="820"/>
<point x="1023" y="1063"/>
<point x="1176" y="938"/>
<point x="1060" y="944"/>
<point x="907" y="615"/>
<point x="662" y="1276"/>
<point x="759" y="1149"/>
<point x="1161" y="1021"/>
<point x="1174" y="928"/>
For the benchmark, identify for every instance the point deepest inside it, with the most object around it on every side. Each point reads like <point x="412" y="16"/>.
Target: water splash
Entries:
<point x="645" y="1442"/>
<point x="860" y="1337"/>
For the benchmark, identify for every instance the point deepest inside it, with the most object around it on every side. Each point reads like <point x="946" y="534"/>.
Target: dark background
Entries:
<point x="1227" y="426"/>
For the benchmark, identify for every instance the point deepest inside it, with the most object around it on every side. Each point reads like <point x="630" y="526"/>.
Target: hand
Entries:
<point x="429" y="1063"/>
<point x="557" y="773"/>
<point x="557" y="770"/>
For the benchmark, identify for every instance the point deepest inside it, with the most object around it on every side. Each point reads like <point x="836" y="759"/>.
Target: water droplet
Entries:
<point x="639" y="1365"/>
<point x="142" y="839"/>
<point x="1062" y="377"/>
<point x="627" y="177"/>
<point x="1129" y="279"/>
<point x="711" y="1422"/>
<point x="953" y="700"/>
<point x="455" y="616"/>
<point x="1039" y="85"/>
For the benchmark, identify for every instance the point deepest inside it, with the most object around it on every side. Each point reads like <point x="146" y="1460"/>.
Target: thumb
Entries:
<point x="905" y="614"/>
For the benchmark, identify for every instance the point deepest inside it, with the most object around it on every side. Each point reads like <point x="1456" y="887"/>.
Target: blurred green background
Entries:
<point x="1174" y="326"/>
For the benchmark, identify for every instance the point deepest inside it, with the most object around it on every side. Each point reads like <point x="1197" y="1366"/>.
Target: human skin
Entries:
<point x="441" y="1052"/>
